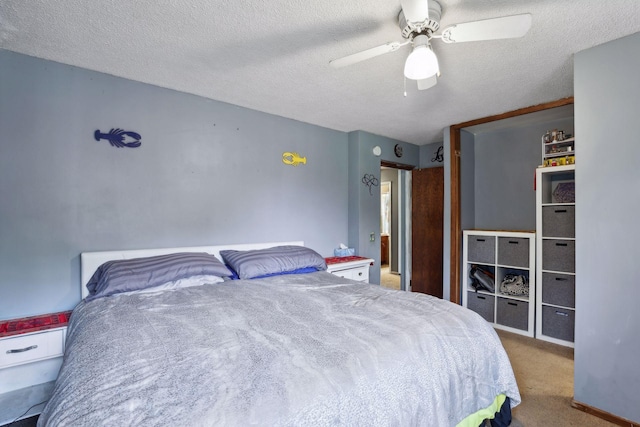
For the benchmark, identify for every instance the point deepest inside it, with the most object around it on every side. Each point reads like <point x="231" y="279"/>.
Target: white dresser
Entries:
<point x="29" y="363"/>
<point x="352" y="267"/>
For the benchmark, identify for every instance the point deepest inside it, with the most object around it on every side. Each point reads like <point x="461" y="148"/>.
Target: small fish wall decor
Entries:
<point x="439" y="157"/>
<point x="370" y="181"/>
<point x="119" y="138"/>
<point x="293" y="159"/>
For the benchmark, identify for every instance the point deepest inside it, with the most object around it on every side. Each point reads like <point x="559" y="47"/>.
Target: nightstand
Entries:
<point x="350" y="267"/>
<point x="31" y="351"/>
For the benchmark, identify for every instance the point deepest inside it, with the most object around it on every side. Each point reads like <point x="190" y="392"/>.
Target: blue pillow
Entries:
<point x="134" y="274"/>
<point x="272" y="261"/>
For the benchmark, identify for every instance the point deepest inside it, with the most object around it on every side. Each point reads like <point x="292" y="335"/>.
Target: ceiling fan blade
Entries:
<point x="366" y="54"/>
<point x="427" y="83"/>
<point x="507" y="27"/>
<point x="415" y="10"/>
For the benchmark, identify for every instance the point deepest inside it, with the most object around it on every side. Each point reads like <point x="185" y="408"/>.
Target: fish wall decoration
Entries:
<point x="119" y="138"/>
<point x="293" y="159"/>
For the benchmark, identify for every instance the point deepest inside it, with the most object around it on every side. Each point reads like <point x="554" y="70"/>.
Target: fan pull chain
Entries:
<point x="405" y="85"/>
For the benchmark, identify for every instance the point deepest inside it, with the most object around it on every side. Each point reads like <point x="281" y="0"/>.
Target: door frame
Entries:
<point x="404" y="218"/>
<point x="454" y="154"/>
<point x="390" y="232"/>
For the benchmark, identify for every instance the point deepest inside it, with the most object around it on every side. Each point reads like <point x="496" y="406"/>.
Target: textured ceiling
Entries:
<point x="272" y="55"/>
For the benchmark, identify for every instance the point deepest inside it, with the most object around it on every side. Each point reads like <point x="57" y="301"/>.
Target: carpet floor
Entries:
<point x="388" y="279"/>
<point x="544" y="372"/>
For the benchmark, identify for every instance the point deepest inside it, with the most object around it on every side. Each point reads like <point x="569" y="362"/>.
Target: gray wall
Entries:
<point x="505" y="161"/>
<point x="429" y="155"/>
<point x="206" y="173"/>
<point x="364" y="205"/>
<point x="607" y="342"/>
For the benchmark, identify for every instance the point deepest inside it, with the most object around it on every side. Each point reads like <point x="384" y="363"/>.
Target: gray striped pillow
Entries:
<point x="279" y="259"/>
<point x="127" y="275"/>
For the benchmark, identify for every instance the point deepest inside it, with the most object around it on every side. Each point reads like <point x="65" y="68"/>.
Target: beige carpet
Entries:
<point x="544" y="372"/>
<point x="388" y="279"/>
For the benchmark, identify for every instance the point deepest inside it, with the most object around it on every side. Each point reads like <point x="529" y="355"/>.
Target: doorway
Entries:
<point x="413" y="202"/>
<point x="398" y="268"/>
<point x="390" y="220"/>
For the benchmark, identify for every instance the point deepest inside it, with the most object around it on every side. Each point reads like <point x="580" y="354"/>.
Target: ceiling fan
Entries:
<point x="419" y="20"/>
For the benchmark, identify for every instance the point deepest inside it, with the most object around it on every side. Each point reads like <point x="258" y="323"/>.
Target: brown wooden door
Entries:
<point x="427" y="195"/>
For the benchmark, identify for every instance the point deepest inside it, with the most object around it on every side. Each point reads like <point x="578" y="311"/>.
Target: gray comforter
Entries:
<point x="292" y="350"/>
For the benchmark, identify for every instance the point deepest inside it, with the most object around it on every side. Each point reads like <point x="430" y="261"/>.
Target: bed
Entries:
<point x="290" y="348"/>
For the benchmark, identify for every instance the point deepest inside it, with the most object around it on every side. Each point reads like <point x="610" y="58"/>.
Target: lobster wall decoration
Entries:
<point x="119" y="138"/>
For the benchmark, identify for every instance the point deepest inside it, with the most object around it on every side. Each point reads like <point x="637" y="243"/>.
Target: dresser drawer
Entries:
<point x="27" y="348"/>
<point x="353" y="269"/>
<point x="346" y="274"/>
<point x="361" y="274"/>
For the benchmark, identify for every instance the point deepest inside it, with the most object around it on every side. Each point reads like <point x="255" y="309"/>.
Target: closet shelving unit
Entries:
<point x="502" y="253"/>
<point x="555" y="270"/>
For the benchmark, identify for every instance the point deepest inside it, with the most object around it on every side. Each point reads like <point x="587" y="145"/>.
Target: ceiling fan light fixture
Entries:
<point x="422" y="63"/>
<point x="419" y="21"/>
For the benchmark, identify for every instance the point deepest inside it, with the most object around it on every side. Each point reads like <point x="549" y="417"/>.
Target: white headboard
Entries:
<point x="90" y="261"/>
